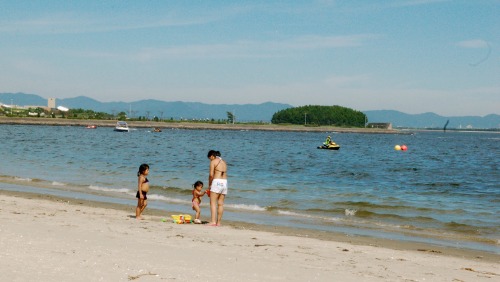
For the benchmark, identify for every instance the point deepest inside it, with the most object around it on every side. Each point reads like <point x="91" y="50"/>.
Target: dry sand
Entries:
<point x="59" y="240"/>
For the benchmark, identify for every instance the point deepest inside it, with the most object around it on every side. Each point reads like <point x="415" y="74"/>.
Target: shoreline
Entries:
<point x="281" y="230"/>
<point x="47" y="238"/>
<point x="194" y="125"/>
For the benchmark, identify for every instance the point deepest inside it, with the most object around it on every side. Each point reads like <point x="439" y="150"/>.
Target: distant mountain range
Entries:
<point x="244" y="112"/>
<point x="432" y="120"/>
<point x="151" y="108"/>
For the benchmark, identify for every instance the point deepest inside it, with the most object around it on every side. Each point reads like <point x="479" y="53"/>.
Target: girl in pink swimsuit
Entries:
<point x="196" y="201"/>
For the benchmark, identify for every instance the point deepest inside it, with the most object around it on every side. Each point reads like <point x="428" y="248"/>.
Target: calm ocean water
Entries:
<point x="444" y="190"/>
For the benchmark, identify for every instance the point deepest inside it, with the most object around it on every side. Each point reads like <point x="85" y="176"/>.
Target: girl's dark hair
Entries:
<point x="142" y="169"/>
<point x="213" y="153"/>
<point x="197" y="183"/>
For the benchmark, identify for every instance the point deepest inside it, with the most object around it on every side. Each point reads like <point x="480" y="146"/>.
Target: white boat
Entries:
<point x="121" y="126"/>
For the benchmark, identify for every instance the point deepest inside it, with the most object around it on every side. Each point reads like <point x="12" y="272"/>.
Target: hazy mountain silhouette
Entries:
<point x="243" y="112"/>
<point x="432" y="120"/>
<point x="151" y="108"/>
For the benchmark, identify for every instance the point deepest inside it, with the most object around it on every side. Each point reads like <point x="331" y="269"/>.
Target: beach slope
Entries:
<point x="55" y="240"/>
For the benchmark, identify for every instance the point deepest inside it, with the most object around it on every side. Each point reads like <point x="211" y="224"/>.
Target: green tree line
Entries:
<point x="321" y="115"/>
<point x="87" y="114"/>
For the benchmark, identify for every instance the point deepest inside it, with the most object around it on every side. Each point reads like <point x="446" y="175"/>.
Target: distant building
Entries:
<point x="52" y="103"/>
<point x="381" y="125"/>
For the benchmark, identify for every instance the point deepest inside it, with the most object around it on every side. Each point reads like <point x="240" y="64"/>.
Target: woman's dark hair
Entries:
<point x="142" y="169"/>
<point x="197" y="183"/>
<point x="213" y="153"/>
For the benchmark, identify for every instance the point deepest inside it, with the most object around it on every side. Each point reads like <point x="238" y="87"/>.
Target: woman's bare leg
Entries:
<point x="220" y="208"/>
<point x="213" y="207"/>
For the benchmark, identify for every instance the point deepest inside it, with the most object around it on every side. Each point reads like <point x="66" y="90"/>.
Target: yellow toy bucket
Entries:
<point x="181" y="218"/>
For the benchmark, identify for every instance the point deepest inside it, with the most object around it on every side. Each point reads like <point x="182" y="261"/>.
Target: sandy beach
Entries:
<point x="54" y="239"/>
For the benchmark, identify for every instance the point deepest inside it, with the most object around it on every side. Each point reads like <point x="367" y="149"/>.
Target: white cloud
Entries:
<point x="473" y="43"/>
<point x="262" y="49"/>
<point x="68" y="23"/>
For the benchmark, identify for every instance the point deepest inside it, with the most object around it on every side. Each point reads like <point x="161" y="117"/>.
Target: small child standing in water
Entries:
<point x="142" y="190"/>
<point x="196" y="201"/>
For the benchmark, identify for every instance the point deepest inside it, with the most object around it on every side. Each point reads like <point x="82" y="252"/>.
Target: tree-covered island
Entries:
<point x="320" y="115"/>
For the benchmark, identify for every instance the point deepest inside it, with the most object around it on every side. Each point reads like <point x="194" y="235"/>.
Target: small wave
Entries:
<point x="308" y="216"/>
<point x="396" y="217"/>
<point x="167" y="199"/>
<point x="280" y="189"/>
<point x="438" y="185"/>
<point x="371" y="205"/>
<point x="272" y="208"/>
<point x="286" y="203"/>
<point x="55" y="183"/>
<point x="247" y="207"/>
<point x="168" y="189"/>
<point x="23" y="179"/>
<point x="251" y="191"/>
<point x="350" y="212"/>
<point x="369" y="214"/>
<point x="327" y="211"/>
<point x="104" y="189"/>
<point x="462" y="228"/>
<point x="283" y="212"/>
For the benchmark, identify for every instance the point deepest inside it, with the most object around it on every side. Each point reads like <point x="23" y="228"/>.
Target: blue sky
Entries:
<point x="413" y="56"/>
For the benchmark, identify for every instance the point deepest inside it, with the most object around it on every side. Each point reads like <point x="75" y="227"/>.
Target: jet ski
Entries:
<point x="331" y="146"/>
